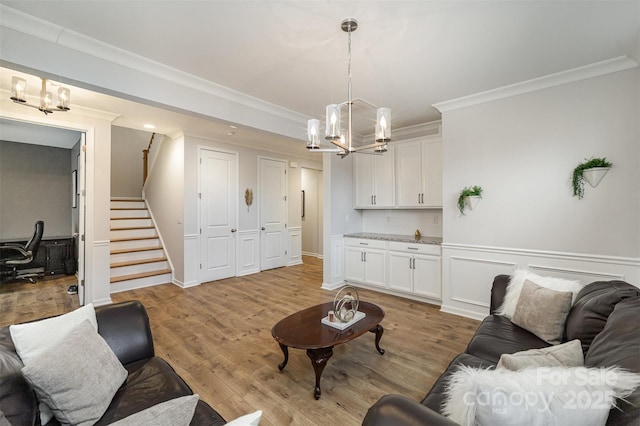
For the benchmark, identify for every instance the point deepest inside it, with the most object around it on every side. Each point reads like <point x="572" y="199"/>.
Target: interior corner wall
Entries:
<point x="522" y="151"/>
<point x="126" y="161"/>
<point x="164" y="192"/>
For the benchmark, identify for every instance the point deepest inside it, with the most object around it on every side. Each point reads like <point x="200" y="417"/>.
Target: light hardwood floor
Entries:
<point x="218" y="337"/>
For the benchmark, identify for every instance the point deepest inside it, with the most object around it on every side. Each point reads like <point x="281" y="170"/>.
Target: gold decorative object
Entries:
<point x="417" y="234"/>
<point x="345" y="304"/>
<point x="248" y="197"/>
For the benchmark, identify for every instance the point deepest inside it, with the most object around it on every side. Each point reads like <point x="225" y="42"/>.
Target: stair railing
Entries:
<point x="145" y="160"/>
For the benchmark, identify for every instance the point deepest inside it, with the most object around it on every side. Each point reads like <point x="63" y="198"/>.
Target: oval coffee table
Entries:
<point x="304" y="330"/>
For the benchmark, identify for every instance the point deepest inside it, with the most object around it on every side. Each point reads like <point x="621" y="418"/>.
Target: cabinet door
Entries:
<point x="426" y="276"/>
<point x="408" y="174"/>
<point x="383" y="179"/>
<point x="363" y="176"/>
<point x="354" y="265"/>
<point x="375" y="267"/>
<point x="432" y="173"/>
<point x="400" y="271"/>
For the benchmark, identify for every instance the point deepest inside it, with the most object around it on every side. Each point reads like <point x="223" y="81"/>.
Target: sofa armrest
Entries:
<point x="498" y="290"/>
<point x="398" y="410"/>
<point x="125" y="327"/>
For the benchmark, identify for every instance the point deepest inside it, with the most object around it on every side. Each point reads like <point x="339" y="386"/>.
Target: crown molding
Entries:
<point x="621" y="63"/>
<point x="47" y="31"/>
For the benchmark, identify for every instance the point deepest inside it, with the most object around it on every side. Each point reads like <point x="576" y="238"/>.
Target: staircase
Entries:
<point x="137" y="257"/>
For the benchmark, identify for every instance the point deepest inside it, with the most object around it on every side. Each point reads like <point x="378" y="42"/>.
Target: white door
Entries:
<point x="273" y="213"/>
<point x="218" y="210"/>
<point x="79" y="239"/>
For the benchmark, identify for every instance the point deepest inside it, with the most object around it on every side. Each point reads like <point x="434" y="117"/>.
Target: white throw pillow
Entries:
<point x="35" y="338"/>
<point x="78" y="377"/>
<point x="252" y="419"/>
<point x="536" y="396"/>
<point x="514" y="288"/>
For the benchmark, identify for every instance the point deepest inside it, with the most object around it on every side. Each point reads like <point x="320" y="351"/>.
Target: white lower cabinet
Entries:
<point x="415" y="269"/>
<point x="366" y="261"/>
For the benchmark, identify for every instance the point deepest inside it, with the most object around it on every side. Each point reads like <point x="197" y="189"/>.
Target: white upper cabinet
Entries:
<point x="374" y="180"/>
<point x="419" y="173"/>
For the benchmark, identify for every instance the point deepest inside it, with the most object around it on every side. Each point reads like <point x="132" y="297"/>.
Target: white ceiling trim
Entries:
<point x="597" y="69"/>
<point x="44" y="30"/>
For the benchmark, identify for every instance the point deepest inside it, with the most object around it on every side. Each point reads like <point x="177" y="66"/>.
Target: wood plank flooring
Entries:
<point x="218" y="337"/>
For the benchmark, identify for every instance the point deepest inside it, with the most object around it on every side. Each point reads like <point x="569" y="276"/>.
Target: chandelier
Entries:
<point x="343" y="139"/>
<point x="19" y="88"/>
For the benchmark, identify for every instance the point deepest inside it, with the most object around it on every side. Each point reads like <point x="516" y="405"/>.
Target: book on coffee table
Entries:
<point x="343" y="325"/>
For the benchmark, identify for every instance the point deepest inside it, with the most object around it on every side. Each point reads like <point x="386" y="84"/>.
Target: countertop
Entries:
<point x="395" y="237"/>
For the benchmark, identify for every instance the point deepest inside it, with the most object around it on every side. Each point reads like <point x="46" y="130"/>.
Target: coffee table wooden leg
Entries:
<point x="378" y="330"/>
<point x="319" y="358"/>
<point x="285" y="351"/>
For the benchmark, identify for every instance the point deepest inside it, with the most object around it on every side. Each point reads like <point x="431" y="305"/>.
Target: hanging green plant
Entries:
<point x="578" y="173"/>
<point x="468" y="191"/>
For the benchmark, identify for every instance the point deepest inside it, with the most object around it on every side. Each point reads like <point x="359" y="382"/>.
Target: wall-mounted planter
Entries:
<point x="472" y="201"/>
<point x="592" y="171"/>
<point x="469" y="197"/>
<point x="594" y="175"/>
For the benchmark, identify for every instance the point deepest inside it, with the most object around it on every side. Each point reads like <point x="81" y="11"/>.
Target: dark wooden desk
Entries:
<point x="304" y="330"/>
<point x="52" y="254"/>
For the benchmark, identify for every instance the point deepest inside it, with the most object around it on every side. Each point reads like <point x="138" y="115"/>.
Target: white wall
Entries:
<point x="312" y="222"/>
<point x="522" y="150"/>
<point x="126" y="161"/>
<point x="164" y="192"/>
<point x="428" y="222"/>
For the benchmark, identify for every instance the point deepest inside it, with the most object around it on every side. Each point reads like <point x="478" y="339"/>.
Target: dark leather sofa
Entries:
<point x="605" y="317"/>
<point x="151" y="380"/>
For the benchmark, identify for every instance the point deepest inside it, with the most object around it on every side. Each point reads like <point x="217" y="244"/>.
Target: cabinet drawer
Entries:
<point x="365" y="243"/>
<point x="433" y="249"/>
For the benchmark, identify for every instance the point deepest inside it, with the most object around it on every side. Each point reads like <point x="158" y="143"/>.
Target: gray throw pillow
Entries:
<point x="542" y="311"/>
<point x="565" y="355"/>
<point x="175" y="412"/>
<point x="78" y="378"/>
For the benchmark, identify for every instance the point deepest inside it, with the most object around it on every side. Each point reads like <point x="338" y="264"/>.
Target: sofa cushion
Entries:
<point x="619" y="344"/>
<point x="78" y="377"/>
<point x="592" y="308"/>
<point x="436" y="395"/>
<point x="175" y="412"/>
<point x="17" y="400"/>
<point x="150" y="382"/>
<point x="565" y="355"/>
<point x="497" y="335"/>
<point x="542" y="311"/>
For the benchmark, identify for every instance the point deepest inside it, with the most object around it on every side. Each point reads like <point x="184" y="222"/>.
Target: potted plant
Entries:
<point x="469" y="197"/>
<point x="592" y="170"/>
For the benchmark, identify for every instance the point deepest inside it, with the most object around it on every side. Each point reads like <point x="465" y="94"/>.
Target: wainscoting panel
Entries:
<point x="468" y="272"/>
<point x="337" y="263"/>
<point x="247" y="253"/>
<point x="295" y="245"/>
<point x="191" y="262"/>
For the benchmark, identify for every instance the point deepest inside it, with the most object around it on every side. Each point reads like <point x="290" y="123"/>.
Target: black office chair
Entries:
<point x="13" y="255"/>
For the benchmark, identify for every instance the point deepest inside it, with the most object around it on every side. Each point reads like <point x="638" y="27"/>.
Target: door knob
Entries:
<point x="233" y="229"/>
<point x="264" y="229"/>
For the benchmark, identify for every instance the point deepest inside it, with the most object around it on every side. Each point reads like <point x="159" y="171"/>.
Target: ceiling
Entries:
<point x="407" y="55"/>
